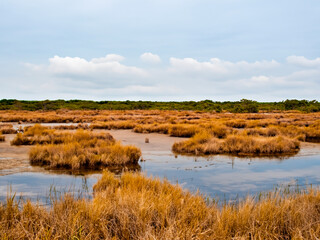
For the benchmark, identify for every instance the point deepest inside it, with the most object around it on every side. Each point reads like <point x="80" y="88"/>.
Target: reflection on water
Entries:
<point x="40" y="186"/>
<point x="228" y="177"/>
<point x="224" y="177"/>
<point x="221" y="176"/>
<point x="52" y="184"/>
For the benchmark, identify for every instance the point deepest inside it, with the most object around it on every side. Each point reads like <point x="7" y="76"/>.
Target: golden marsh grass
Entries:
<point x="75" y="150"/>
<point x="136" y="207"/>
<point x="257" y="130"/>
<point x="6" y="128"/>
<point x="241" y="144"/>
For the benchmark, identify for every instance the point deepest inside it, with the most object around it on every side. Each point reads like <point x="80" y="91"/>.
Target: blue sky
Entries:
<point x="160" y="50"/>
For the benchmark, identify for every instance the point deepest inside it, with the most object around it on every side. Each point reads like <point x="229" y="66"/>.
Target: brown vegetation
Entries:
<point x="265" y="132"/>
<point x="2" y="138"/>
<point x="136" y="207"/>
<point x="39" y="134"/>
<point x="205" y="143"/>
<point x="75" y="150"/>
<point x="92" y="154"/>
<point x="152" y="128"/>
<point x="7" y="129"/>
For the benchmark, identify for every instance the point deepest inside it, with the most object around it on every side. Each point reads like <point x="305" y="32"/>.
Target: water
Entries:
<point x="39" y="187"/>
<point x="228" y="177"/>
<point x="223" y="177"/>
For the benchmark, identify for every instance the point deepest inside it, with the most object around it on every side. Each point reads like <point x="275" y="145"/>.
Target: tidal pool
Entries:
<point x="221" y="176"/>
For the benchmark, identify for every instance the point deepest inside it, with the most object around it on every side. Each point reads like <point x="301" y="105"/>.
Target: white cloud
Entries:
<point x="220" y="67"/>
<point x="80" y="66"/>
<point x="181" y="79"/>
<point x="150" y="58"/>
<point x="303" y="62"/>
<point x="260" y="79"/>
<point x="108" y="58"/>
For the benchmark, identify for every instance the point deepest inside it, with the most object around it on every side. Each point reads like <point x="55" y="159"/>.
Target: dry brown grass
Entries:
<point x="137" y="207"/>
<point x="282" y="125"/>
<point x="2" y="138"/>
<point x="72" y="127"/>
<point x="152" y="128"/>
<point x="94" y="154"/>
<point x="114" y="125"/>
<point x="183" y="130"/>
<point x="174" y="130"/>
<point x="7" y="129"/>
<point x="81" y="149"/>
<point x="242" y="144"/>
<point x="39" y="134"/>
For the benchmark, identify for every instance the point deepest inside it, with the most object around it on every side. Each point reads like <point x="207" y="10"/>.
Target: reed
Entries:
<point x="81" y="149"/>
<point x="152" y="128"/>
<point x="183" y="130"/>
<point x="136" y="207"/>
<point x="287" y="125"/>
<point x="7" y="129"/>
<point x="39" y="134"/>
<point x="205" y="143"/>
<point x="72" y="127"/>
<point x="114" y="125"/>
<point x="84" y="155"/>
<point x="174" y="130"/>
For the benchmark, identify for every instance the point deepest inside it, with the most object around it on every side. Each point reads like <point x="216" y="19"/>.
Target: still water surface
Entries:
<point x="221" y="176"/>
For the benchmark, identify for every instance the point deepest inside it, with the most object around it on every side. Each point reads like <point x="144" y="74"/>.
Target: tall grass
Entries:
<point x="265" y="133"/>
<point x="241" y="144"/>
<point x="84" y="155"/>
<point x="7" y="129"/>
<point x="152" y="128"/>
<point x="81" y="149"/>
<point x="114" y="125"/>
<point x="136" y="207"/>
<point x="174" y="130"/>
<point x="39" y="134"/>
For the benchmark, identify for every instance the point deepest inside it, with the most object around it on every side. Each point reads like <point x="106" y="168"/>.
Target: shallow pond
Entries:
<point x="219" y="176"/>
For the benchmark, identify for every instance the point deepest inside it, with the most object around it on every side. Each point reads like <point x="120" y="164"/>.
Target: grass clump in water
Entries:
<point x="92" y="154"/>
<point x="7" y="128"/>
<point x="241" y="144"/>
<point x="137" y="207"/>
<point x="75" y="150"/>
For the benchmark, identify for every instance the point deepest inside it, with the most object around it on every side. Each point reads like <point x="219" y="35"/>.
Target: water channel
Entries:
<point x="220" y="176"/>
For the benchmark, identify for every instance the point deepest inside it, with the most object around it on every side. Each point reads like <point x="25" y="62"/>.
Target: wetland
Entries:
<point x="220" y="184"/>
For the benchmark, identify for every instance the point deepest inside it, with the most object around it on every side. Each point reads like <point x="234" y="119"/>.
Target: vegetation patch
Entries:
<point x="85" y="154"/>
<point x="114" y="125"/>
<point x="260" y="129"/>
<point x="7" y="129"/>
<point x="241" y="144"/>
<point x="76" y="150"/>
<point x="242" y="106"/>
<point x="152" y="128"/>
<point x="136" y="207"/>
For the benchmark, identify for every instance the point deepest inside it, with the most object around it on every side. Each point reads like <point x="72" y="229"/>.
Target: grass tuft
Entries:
<point x="137" y="207"/>
<point x="76" y="150"/>
<point x="241" y="144"/>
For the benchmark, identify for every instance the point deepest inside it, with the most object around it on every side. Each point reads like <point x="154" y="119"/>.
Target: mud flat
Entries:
<point x="14" y="159"/>
<point x="157" y="142"/>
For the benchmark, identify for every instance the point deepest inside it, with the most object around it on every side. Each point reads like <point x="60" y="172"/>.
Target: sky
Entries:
<point x="161" y="50"/>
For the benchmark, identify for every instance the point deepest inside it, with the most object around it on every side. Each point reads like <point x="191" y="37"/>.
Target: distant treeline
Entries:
<point x="242" y="106"/>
